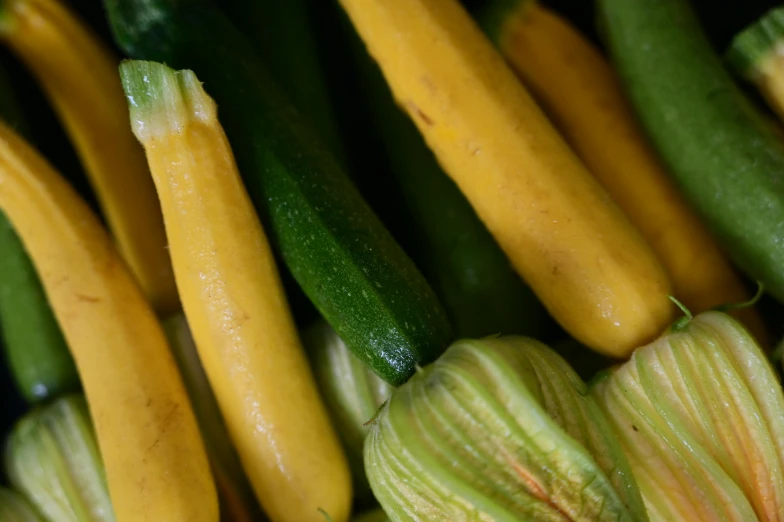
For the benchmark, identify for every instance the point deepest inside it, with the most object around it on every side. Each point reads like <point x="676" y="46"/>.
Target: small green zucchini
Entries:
<point x="722" y="152"/>
<point x="347" y="263"/>
<point x="281" y="33"/>
<point x="37" y="354"/>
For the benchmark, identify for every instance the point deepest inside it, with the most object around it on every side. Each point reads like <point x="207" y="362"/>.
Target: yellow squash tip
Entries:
<point x="162" y="100"/>
<point x="234" y="301"/>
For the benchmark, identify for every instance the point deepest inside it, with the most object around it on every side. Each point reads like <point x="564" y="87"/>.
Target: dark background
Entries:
<point x="722" y="20"/>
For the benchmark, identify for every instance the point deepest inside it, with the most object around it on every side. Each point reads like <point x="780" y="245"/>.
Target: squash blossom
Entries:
<point x="14" y="508"/>
<point x="700" y="415"/>
<point x="53" y="458"/>
<point x="498" y="429"/>
<point x="352" y="393"/>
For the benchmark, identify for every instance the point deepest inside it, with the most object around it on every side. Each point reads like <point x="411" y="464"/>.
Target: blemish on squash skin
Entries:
<point x="424" y="117"/>
<point x="427" y="81"/>
<point x="167" y="421"/>
<point x="414" y="109"/>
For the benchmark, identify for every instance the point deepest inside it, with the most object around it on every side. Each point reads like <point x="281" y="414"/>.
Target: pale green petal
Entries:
<point x="700" y="414"/>
<point x="15" y="508"/>
<point x="351" y="391"/>
<point x="495" y="430"/>
<point x="53" y="458"/>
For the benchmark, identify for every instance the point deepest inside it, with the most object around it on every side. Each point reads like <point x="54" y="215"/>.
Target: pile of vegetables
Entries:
<point x="546" y="312"/>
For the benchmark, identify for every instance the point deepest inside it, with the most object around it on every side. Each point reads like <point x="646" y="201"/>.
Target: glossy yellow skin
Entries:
<point x="240" y="320"/>
<point x="156" y="465"/>
<point x="571" y="243"/>
<point x="80" y="78"/>
<point x="577" y="88"/>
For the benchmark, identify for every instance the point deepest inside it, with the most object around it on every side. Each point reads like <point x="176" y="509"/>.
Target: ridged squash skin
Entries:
<point x="234" y="301"/>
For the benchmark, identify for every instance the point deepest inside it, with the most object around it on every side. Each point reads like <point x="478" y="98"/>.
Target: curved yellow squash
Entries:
<point x="233" y="299"/>
<point x="80" y="78"/>
<point x="577" y="88"/>
<point x="155" y="462"/>
<point x="570" y="242"/>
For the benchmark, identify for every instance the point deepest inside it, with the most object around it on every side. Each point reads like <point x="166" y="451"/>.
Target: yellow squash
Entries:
<point x="577" y="88"/>
<point x="234" y="301"/>
<point x="155" y="462"/>
<point x="80" y="78"/>
<point x="560" y="229"/>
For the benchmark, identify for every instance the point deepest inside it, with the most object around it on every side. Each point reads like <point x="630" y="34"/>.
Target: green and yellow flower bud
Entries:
<point x="351" y="391"/>
<point x="700" y="415"/>
<point x="756" y="55"/>
<point x="52" y="458"/>
<point x="498" y="429"/>
<point x="14" y="508"/>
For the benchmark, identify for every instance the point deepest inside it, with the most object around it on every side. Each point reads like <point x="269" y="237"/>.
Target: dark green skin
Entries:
<point x="725" y="157"/>
<point x="475" y="281"/>
<point x="35" y="349"/>
<point x="338" y="251"/>
<point x="280" y="32"/>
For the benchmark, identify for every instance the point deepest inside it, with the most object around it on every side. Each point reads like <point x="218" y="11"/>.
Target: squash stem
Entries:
<point x="756" y="55"/>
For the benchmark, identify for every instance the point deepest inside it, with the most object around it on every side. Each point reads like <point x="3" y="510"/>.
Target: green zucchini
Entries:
<point x="36" y="351"/>
<point x="724" y="155"/>
<point x="358" y="277"/>
<point x="281" y="33"/>
<point x="481" y="292"/>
